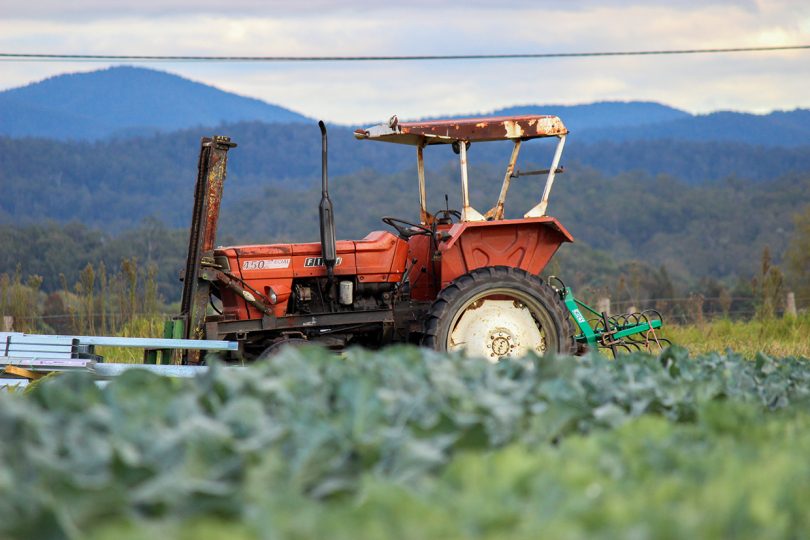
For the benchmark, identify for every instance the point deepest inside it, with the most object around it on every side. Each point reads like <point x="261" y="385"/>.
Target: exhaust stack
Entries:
<point x="327" y="218"/>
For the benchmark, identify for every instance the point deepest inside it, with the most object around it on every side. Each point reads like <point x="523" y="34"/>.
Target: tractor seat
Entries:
<point x="376" y="241"/>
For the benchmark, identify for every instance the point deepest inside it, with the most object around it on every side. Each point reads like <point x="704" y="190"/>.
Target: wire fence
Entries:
<point x="680" y="310"/>
<point x="698" y="308"/>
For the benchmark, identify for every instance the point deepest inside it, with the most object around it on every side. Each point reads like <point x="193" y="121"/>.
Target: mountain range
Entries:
<point x="124" y="101"/>
<point x="133" y="101"/>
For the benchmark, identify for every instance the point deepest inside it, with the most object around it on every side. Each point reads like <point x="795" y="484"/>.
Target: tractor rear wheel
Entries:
<point x="498" y="312"/>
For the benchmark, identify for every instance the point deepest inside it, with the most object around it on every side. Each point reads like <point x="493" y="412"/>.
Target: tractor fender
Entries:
<point x="528" y="244"/>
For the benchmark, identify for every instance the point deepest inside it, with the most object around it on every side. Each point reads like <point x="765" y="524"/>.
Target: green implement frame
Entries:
<point x="622" y="333"/>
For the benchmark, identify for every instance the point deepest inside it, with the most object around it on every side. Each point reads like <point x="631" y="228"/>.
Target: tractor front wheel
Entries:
<point x="499" y="312"/>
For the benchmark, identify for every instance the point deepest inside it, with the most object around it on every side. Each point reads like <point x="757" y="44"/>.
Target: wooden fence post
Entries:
<point x="8" y="323"/>
<point x="603" y="305"/>
<point x="790" y="305"/>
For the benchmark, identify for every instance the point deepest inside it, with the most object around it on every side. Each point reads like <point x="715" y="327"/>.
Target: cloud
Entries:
<point x="95" y="9"/>
<point x="373" y="91"/>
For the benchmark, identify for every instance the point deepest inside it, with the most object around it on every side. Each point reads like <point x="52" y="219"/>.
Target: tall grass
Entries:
<point x="126" y="303"/>
<point x="787" y="336"/>
<point x="777" y="337"/>
<point x="146" y="326"/>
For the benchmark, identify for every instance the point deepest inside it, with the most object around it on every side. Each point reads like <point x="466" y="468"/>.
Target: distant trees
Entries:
<point x="768" y="287"/>
<point x="639" y="239"/>
<point x="20" y="300"/>
<point x="98" y="303"/>
<point x="52" y="249"/>
<point x="797" y="257"/>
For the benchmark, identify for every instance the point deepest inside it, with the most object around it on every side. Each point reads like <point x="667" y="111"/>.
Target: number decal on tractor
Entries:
<point x="266" y="264"/>
<point x="318" y="261"/>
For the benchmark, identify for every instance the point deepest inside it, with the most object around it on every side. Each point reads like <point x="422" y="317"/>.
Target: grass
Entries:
<point x="789" y="336"/>
<point x="139" y="327"/>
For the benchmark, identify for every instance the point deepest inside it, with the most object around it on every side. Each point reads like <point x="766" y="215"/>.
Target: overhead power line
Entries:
<point x="29" y="57"/>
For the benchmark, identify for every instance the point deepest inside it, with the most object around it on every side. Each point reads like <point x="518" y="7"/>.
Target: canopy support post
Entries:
<point x="468" y="213"/>
<point x="424" y="217"/>
<point x="540" y="209"/>
<point x="497" y="212"/>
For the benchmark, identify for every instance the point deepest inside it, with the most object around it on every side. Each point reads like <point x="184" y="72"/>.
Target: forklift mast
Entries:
<point x="211" y="171"/>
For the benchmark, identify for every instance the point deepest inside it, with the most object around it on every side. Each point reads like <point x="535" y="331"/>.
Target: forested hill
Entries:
<point x="123" y="101"/>
<point x="114" y="183"/>
<point x="636" y="121"/>
<point x="602" y="115"/>
<point x="697" y="232"/>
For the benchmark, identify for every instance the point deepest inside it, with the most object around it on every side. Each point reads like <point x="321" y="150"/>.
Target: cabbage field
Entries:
<point x="407" y="443"/>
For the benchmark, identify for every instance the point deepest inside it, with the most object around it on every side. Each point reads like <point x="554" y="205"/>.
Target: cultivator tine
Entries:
<point x="607" y="337"/>
<point x="650" y="335"/>
<point x="626" y="332"/>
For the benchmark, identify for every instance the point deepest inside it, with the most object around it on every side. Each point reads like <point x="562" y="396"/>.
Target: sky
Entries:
<point x="371" y="91"/>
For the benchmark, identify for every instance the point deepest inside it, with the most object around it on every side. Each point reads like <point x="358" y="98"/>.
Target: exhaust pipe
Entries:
<point x="327" y="217"/>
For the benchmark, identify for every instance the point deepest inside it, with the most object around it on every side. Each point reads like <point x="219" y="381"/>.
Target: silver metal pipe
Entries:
<point x="468" y="213"/>
<point x="420" y="168"/>
<point x="159" y="343"/>
<point x="114" y="370"/>
<point x="540" y="209"/>
<point x="498" y="214"/>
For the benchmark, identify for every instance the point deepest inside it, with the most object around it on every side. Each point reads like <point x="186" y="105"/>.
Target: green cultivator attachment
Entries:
<point x="621" y="333"/>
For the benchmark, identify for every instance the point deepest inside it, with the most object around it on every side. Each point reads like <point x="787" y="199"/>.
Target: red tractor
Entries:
<point x="455" y="280"/>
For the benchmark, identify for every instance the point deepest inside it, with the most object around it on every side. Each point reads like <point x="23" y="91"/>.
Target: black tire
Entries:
<point x="279" y="345"/>
<point x="498" y="283"/>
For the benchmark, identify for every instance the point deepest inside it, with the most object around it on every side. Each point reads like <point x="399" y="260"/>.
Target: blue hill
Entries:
<point x="603" y="114"/>
<point x="125" y="101"/>
<point x="606" y="121"/>
<point x="788" y="129"/>
<point x="644" y="121"/>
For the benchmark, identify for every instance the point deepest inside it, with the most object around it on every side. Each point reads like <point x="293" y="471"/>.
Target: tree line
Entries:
<point x="728" y="248"/>
<point x="112" y="184"/>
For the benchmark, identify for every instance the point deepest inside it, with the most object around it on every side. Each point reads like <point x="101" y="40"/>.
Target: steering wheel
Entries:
<point x="448" y="215"/>
<point x="404" y="232"/>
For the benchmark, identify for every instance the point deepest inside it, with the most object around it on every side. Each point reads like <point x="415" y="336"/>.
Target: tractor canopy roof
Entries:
<point x="494" y="128"/>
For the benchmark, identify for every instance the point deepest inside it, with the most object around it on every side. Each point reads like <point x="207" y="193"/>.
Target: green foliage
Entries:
<point x="112" y="183"/>
<point x="733" y="473"/>
<point x="768" y="287"/>
<point x="89" y="308"/>
<point x="20" y="300"/>
<point x="630" y="225"/>
<point x="49" y="249"/>
<point x="703" y="206"/>
<point x="413" y="444"/>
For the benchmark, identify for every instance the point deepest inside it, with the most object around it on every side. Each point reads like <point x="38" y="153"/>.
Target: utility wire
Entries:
<point x="29" y="57"/>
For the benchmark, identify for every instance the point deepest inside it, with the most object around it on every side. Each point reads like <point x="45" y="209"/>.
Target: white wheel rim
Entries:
<point x="496" y="328"/>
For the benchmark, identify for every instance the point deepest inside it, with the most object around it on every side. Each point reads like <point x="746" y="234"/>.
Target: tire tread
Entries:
<point x="445" y="304"/>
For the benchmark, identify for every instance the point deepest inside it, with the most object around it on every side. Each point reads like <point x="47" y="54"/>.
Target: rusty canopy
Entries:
<point x="496" y="128"/>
